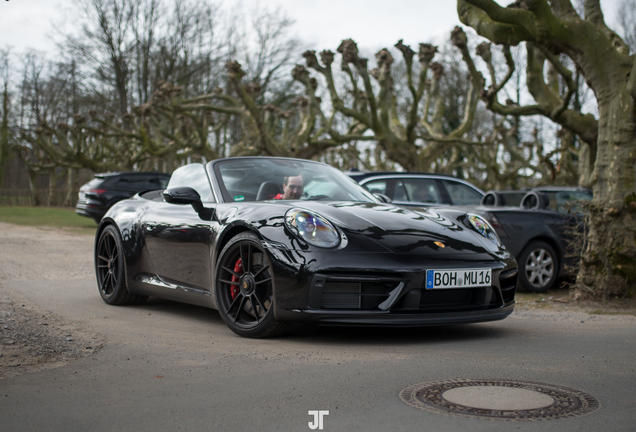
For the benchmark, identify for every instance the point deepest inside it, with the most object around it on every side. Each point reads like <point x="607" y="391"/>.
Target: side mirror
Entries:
<point x="186" y="195"/>
<point x="383" y="198"/>
<point x="181" y="195"/>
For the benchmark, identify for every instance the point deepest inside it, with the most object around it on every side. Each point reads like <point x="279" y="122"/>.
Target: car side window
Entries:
<point x="163" y="182"/>
<point x="568" y="201"/>
<point x="377" y="186"/>
<point x="460" y="194"/>
<point x="193" y="176"/>
<point x="400" y="192"/>
<point x="140" y="182"/>
<point x="554" y="204"/>
<point x="422" y="190"/>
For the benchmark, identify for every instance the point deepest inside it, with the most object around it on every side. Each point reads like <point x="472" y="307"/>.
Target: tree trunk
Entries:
<point x="33" y="187"/>
<point x="608" y="264"/>
<point x="52" y="187"/>
<point x="71" y="187"/>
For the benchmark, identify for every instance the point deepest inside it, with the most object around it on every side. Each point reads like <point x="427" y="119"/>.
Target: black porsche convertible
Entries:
<point x="269" y="242"/>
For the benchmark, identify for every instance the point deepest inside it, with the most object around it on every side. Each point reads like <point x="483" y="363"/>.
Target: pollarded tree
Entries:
<point x="551" y="28"/>
<point x="408" y="116"/>
<point x="413" y="135"/>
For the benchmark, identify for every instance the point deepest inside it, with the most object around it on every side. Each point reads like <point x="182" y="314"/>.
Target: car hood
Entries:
<point x="401" y="230"/>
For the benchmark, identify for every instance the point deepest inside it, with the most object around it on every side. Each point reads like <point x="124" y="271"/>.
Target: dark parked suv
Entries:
<point x="99" y="194"/>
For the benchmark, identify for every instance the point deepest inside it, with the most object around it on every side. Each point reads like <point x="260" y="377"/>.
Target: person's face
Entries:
<point x="294" y="188"/>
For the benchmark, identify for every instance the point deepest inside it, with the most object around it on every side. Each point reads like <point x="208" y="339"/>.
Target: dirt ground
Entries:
<point x="32" y="338"/>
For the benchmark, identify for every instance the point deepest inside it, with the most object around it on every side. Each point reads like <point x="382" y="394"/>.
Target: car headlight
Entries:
<point x="483" y="227"/>
<point x="312" y="228"/>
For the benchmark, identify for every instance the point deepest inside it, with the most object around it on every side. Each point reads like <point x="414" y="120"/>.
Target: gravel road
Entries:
<point x="167" y="366"/>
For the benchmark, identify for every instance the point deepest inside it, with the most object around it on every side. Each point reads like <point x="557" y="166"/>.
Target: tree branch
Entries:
<point x="500" y="33"/>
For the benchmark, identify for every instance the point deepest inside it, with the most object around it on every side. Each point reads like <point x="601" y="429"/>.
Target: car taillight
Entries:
<point x="95" y="191"/>
<point x="492" y="220"/>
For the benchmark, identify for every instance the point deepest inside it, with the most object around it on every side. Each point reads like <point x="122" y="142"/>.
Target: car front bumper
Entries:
<point x="387" y="290"/>
<point x="392" y="319"/>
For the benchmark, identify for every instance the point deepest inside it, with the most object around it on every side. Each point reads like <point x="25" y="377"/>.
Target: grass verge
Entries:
<point x="64" y="218"/>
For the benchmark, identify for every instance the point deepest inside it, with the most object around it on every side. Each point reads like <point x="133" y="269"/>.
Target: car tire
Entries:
<point x="110" y="270"/>
<point x="538" y="267"/>
<point x="245" y="294"/>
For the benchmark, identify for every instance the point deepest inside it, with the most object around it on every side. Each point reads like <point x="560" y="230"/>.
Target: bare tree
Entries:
<point x="260" y="41"/>
<point x="549" y="29"/>
<point x="190" y="52"/>
<point x="105" y="42"/>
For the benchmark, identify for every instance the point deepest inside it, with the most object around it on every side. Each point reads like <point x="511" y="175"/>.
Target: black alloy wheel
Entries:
<point x="538" y="267"/>
<point x="244" y="288"/>
<point x="110" y="270"/>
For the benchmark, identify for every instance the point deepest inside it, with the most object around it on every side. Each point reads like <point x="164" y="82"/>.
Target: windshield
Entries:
<point x="259" y="179"/>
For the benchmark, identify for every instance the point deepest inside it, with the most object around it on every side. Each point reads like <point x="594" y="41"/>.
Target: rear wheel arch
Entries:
<point x="549" y="240"/>
<point x="104" y="223"/>
<point x="119" y="293"/>
<point x="100" y="229"/>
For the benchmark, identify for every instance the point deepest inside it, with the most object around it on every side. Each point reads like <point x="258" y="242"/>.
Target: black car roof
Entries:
<point x="545" y="189"/>
<point x="557" y="188"/>
<point x="113" y="174"/>
<point x="357" y="176"/>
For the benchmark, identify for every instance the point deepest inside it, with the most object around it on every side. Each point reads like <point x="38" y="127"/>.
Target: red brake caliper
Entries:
<point x="238" y="269"/>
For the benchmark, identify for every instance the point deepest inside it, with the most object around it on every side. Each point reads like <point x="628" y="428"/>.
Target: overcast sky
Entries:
<point x="319" y="23"/>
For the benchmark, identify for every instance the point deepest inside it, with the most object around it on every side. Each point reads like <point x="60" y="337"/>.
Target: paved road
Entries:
<point x="167" y="366"/>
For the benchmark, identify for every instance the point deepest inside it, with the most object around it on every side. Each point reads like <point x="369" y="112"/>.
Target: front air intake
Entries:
<point x="339" y="295"/>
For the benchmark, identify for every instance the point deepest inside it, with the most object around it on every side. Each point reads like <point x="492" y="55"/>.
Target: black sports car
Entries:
<point x="273" y="241"/>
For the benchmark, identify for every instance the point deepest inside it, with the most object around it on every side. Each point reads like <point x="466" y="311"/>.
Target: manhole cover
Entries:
<point x="499" y="399"/>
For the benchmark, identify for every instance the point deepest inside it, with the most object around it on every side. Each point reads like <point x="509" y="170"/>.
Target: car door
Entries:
<point x="417" y="191"/>
<point x="177" y="239"/>
<point x="521" y="226"/>
<point x="460" y="193"/>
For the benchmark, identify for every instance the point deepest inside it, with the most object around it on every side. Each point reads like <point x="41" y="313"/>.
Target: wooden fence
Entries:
<point x="15" y="190"/>
<point x="24" y="197"/>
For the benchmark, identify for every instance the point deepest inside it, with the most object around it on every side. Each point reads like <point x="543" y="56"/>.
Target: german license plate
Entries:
<point x="463" y="278"/>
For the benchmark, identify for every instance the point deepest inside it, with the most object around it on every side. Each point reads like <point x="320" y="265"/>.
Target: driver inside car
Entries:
<point x="292" y="188"/>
